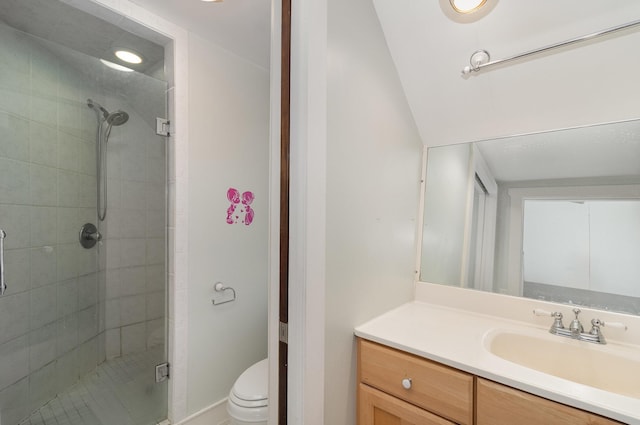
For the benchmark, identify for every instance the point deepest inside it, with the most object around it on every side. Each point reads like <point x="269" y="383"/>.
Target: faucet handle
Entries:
<point x="541" y="312"/>
<point x="597" y="334"/>
<point x="557" y="323"/>
<point x="596" y="323"/>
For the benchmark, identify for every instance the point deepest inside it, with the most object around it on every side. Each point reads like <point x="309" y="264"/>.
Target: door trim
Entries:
<point x="285" y="150"/>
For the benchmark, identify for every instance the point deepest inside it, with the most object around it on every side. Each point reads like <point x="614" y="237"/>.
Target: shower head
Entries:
<point x="113" y="119"/>
<point x="117" y="118"/>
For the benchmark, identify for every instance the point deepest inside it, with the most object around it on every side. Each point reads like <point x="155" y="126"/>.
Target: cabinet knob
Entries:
<point x="406" y="383"/>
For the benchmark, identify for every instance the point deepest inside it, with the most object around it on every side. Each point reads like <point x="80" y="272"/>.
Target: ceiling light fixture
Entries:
<point x="467" y="6"/>
<point x="213" y="1"/>
<point x="116" y="66"/>
<point x="128" y="56"/>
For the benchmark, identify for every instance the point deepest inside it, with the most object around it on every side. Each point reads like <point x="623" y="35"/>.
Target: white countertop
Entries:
<point x="455" y="338"/>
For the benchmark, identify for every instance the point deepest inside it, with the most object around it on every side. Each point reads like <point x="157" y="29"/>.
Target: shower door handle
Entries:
<point x="3" y="285"/>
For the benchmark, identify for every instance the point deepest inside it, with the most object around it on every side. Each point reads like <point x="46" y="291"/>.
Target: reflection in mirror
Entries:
<point x="582" y="251"/>
<point x="552" y="216"/>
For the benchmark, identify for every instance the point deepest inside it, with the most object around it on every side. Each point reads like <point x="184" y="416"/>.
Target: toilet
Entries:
<point x="248" y="402"/>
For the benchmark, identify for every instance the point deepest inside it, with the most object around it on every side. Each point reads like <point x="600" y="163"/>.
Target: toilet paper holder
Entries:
<point x="219" y="287"/>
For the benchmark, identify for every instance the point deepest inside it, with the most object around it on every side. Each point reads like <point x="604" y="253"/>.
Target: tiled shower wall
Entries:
<point x="135" y="238"/>
<point x="49" y="316"/>
<point x="59" y="318"/>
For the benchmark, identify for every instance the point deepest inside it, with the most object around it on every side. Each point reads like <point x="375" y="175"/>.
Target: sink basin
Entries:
<point x="607" y="367"/>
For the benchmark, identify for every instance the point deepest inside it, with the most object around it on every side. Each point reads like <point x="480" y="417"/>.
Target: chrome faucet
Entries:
<point x="575" y="329"/>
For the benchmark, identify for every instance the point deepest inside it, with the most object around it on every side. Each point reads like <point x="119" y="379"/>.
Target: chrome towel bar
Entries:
<point x="480" y="59"/>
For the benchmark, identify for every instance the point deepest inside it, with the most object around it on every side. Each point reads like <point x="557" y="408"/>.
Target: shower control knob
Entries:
<point x="406" y="383"/>
<point x="89" y="236"/>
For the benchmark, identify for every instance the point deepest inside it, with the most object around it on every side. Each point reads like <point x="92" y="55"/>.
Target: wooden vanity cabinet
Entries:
<point x="378" y="408"/>
<point x="437" y="394"/>
<point x="498" y="404"/>
<point x="440" y="395"/>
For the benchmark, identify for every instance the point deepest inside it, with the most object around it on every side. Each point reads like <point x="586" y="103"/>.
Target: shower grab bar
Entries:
<point x="219" y="287"/>
<point x="481" y="60"/>
<point x="3" y="285"/>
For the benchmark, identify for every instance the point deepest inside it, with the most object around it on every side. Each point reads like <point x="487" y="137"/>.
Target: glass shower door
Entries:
<point x="81" y="329"/>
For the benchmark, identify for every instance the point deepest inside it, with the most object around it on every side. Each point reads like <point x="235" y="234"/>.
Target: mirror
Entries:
<point x="553" y="216"/>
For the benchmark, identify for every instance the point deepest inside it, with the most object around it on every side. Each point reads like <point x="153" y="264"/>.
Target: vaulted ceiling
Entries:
<point x="584" y="84"/>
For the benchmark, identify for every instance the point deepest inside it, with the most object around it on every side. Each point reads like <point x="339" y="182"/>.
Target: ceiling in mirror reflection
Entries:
<point x="594" y="151"/>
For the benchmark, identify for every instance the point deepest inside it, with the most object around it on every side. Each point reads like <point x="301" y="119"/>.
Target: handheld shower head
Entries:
<point x="106" y="121"/>
<point x="117" y="118"/>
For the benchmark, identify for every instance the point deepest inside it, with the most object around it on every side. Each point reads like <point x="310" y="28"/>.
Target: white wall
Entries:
<point x="569" y="87"/>
<point x="373" y="173"/>
<point x="228" y="147"/>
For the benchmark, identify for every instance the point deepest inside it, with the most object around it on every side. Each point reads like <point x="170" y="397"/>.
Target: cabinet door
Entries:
<point x="501" y="405"/>
<point x="439" y="389"/>
<point x="378" y="408"/>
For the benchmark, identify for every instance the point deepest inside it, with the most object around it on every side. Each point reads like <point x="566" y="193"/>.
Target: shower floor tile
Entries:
<point x="120" y="391"/>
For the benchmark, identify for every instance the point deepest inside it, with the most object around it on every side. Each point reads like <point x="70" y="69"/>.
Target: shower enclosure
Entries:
<point x="81" y="328"/>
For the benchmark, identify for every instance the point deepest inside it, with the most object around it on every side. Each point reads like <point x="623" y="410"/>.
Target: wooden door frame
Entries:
<point x="305" y="232"/>
<point x="285" y="150"/>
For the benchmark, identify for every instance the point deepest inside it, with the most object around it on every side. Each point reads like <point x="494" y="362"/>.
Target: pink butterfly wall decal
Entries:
<point x="244" y="202"/>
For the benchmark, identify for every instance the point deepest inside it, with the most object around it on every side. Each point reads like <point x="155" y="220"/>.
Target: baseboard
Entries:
<point x="216" y="414"/>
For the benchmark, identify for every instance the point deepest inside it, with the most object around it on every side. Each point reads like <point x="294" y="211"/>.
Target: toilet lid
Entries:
<point x="253" y="384"/>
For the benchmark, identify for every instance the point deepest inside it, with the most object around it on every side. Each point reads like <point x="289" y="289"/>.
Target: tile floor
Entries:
<point x="121" y="391"/>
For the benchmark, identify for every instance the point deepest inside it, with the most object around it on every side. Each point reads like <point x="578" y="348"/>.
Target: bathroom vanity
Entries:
<point x="397" y="388"/>
<point x="431" y="364"/>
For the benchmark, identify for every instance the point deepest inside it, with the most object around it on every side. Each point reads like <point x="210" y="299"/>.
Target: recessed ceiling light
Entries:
<point x="128" y="56"/>
<point x="213" y="1"/>
<point x="116" y="66"/>
<point x="467" y="6"/>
